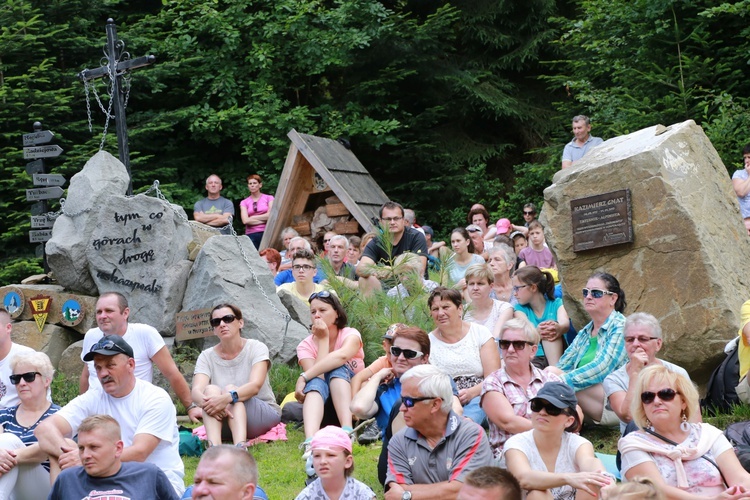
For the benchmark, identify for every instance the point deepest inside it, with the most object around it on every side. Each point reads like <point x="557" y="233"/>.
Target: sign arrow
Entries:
<point x="48" y="179"/>
<point x="51" y="151"/>
<point x="40" y="236"/>
<point x="42" y="137"/>
<point x="41" y="221"/>
<point x="35" y="167"/>
<point x="49" y="193"/>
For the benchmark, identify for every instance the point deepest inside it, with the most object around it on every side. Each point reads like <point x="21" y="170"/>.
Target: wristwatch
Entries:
<point x="406" y="495"/>
<point x="235" y="396"/>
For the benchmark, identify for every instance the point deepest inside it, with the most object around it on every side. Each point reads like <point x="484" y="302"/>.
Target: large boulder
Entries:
<point x="102" y="176"/>
<point x="53" y="340"/>
<point x="687" y="263"/>
<point x="139" y="248"/>
<point x="71" y="365"/>
<point x="220" y="274"/>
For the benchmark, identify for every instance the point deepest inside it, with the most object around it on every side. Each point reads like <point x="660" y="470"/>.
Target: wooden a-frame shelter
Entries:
<point x="315" y="170"/>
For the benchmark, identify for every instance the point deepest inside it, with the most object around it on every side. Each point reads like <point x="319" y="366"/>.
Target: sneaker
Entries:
<point x="370" y="435"/>
<point x="306" y="447"/>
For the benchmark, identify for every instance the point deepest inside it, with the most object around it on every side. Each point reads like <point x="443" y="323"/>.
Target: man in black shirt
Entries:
<point x="404" y="239"/>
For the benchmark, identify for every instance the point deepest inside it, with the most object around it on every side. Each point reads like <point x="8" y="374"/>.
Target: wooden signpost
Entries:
<point x="36" y="148"/>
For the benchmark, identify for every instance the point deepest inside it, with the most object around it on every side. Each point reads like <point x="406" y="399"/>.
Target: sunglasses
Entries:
<point x="538" y="405"/>
<point x="229" y="318"/>
<point x="108" y="345"/>
<point x="319" y="295"/>
<point x="28" y="377"/>
<point x="409" y="402"/>
<point x="408" y="353"/>
<point x="641" y="340"/>
<point x="528" y="213"/>
<point x="595" y="293"/>
<point x="255" y="206"/>
<point x="518" y="345"/>
<point x="665" y="395"/>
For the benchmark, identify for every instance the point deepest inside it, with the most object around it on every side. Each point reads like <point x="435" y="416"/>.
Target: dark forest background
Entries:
<point x="446" y="103"/>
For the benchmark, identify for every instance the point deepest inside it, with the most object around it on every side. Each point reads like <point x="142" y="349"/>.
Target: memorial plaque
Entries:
<point x="602" y="220"/>
<point x="193" y="324"/>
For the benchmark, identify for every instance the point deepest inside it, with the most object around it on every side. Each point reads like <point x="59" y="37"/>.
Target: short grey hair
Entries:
<point x="307" y="243"/>
<point x="38" y="360"/>
<point x="645" y="320"/>
<point x="582" y="118"/>
<point x="531" y="333"/>
<point x="506" y="251"/>
<point x="340" y="237"/>
<point x="410" y="216"/>
<point x="433" y="383"/>
<point x="289" y="230"/>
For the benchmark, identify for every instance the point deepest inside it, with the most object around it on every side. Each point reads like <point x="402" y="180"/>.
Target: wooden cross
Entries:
<point x="117" y="68"/>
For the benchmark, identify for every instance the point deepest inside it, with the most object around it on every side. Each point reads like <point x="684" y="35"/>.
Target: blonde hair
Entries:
<point x="679" y="383"/>
<point x="479" y="271"/>
<point x="532" y="335"/>
<point x="638" y="488"/>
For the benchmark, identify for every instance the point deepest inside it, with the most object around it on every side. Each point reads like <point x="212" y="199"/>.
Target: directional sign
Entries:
<point x="42" y="137"/>
<point x="48" y="179"/>
<point x="35" y="167"/>
<point x="49" y="193"/>
<point x="42" y="152"/>
<point x="41" y="221"/>
<point x="37" y="208"/>
<point x="40" y="236"/>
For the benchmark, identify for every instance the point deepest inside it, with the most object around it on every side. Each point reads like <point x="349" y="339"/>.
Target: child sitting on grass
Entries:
<point x="333" y="463"/>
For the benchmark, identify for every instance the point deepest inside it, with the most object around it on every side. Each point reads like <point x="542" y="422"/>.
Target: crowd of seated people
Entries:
<point x="492" y="399"/>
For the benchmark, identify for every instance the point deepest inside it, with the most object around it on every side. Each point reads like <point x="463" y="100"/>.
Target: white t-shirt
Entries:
<point x="8" y="393"/>
<point x="566" y="458"/>
<point x="146" y="410"/>
<point x="461" y="359"/>
<point x="144" y="340"/>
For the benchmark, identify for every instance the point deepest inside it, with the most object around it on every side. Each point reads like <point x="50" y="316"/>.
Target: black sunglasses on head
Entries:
<point x="108" y="345"/>
<point x="319" y="295"/>
<point x="29" y="377"/>
<point x="229" y="318"/>
<point x="665" y="395"/>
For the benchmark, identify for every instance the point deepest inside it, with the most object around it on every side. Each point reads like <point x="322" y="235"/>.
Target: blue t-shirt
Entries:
<point x="550" y="313"/>
<point x="25" y="434"/>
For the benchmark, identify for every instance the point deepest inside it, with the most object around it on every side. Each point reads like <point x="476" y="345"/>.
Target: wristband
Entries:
<point x="303" y="377"/>
<point x="192" y="405"/>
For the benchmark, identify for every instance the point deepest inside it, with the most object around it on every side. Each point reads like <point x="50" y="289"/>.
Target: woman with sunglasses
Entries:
<point x="255" y="210"/>
<point x="484" y="310"/>
<point x="685" y="460"/>
<point x="465" y="351"/>
<point x="507" y="391"/>
<point x="329" y="359"/>
<point x="550" y="461"/>
<point x="535" y="291"/>
<point x="231" y="384"/>
<point x="598" y="349"/>
<point x="24" y="468"/>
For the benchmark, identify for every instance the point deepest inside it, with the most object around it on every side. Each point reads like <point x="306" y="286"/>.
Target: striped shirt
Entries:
<point x="25" y="434"/>
<point x="610" y="354"/>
